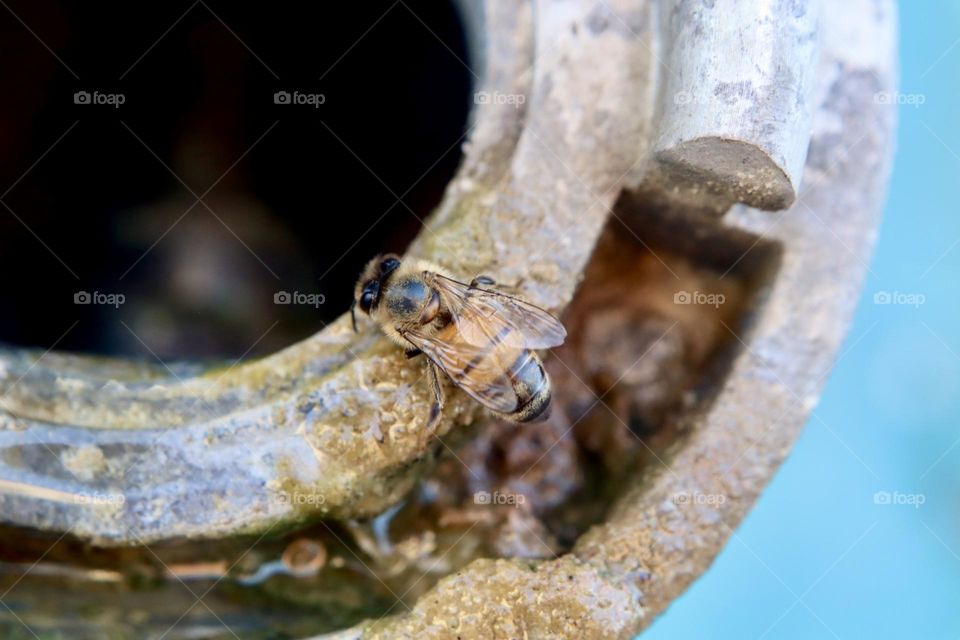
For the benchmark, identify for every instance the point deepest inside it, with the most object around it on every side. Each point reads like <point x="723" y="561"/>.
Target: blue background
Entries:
<point x="861" y="569"/>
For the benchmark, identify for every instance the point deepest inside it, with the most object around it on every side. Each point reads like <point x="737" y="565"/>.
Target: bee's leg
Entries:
<point x="482" y="280"/>
<point x="438" y="398"/>
<point x="412" y="353"/>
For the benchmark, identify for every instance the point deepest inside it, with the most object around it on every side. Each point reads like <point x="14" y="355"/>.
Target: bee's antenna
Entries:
<point x="353" y="316"/>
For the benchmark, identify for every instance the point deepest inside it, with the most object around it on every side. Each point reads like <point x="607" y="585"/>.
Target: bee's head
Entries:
<point x="366" y="293"/>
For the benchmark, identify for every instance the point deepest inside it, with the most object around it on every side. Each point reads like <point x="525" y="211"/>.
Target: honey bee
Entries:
<point x="482" y="339"/>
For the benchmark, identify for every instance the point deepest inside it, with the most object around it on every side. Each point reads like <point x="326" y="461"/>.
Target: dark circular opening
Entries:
<point x="207" y="180"/>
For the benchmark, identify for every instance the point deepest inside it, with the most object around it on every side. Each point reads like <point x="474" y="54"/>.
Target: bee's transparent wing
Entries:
<point x="475" y="369"/>
<point x="484" y="314"/>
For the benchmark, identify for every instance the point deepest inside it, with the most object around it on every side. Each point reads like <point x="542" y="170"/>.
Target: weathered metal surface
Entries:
<point x="205" y="453"/>
<point x="735" y="103"/>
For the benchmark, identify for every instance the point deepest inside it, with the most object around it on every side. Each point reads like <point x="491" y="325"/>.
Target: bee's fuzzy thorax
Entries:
<point x="391" y="332"/>
<point x="409" y="269"/>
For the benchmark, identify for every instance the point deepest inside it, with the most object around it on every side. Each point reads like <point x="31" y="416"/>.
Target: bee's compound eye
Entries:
<point x="369" y="296"/>
<point x="388" y="265"/>
<point x="366" y="301"/>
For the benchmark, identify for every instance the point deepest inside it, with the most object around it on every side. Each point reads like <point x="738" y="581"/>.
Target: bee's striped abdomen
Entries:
<point x="515" y="377"/>
<point x="490" y="351"/>
<point x="532" y="387"/>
